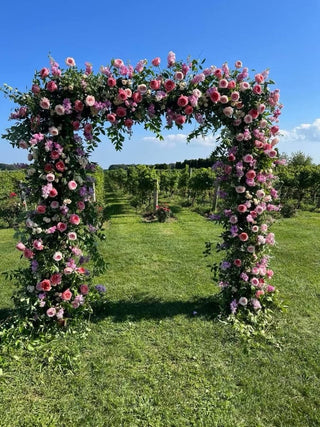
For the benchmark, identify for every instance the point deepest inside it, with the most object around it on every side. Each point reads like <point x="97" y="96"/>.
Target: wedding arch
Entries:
<point x="59" y="122"/>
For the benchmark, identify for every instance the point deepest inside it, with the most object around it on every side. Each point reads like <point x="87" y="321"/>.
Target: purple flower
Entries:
<point x="100" y="288"/>
<point x="233" y="306"/>
<point x="34" y="265"/>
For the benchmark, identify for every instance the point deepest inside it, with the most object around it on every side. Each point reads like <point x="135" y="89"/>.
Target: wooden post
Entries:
<point x="156" y="194"/>
<point x="215" y="196"/>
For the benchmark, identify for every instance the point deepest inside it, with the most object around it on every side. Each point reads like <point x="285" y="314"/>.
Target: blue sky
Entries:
<point x="281" y="35"/>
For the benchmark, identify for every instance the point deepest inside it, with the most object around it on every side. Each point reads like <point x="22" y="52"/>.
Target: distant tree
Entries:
<point x="300" y="159"/>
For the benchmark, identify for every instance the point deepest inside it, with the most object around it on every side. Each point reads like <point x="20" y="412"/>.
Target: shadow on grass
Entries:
<point x="6" y="313"/>
<point x="152" y="308"/>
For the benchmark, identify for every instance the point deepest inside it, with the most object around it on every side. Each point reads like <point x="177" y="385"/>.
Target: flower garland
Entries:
<point x="59" y="122"/>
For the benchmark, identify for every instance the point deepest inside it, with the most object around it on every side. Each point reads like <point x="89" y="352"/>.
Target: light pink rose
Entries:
<point x="66" y="295"/>
<point x="72" y="235"/>
<point x="90" y="100"/>
<point x="45" y="103"/>
<point x="84" y="289"/>
<point x="51" y="312"/>
<point x="72" y="185"/>
<point x="61" y="226"/>
<point x="57" y="256"/>
<point x="118" y="63"/>
<point x="59" y="110"/>
<point x="20" y="246"/>
<point x="228" y="111"/>
<point x="243" y="237"/>
<point x="50" y="177"/>
<point x="74" y="219"/>
<point x="70" y="62"/>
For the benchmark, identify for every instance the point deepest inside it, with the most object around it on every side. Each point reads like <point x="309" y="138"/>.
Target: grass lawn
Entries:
<point x="156" y="356"/>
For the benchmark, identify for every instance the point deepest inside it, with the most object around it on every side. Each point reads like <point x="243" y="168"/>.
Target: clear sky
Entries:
<point x="281" y="35"/>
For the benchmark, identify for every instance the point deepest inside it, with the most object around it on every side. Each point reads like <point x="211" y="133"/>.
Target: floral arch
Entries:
<point x="59" y="122"/>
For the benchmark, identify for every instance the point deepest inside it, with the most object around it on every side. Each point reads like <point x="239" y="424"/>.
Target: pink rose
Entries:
<point x="53" y="192"/>
<point x="238" y="64"/>
<point x="90" y="101"/>
<point x="237" y="262"/>
<point x="257" y="89"/>
<point x="20" y="246"/>
<point x="72" y="235"/>
<point x="251" y="174"/>
<point x="243" y="237"/>
<point x="169" y="85"/>
<point x="51" y="86"/>
<point x="66" y="295"/>
<point x="78" y="106"/>
<point x="60" y="166"/>
<point x="44" y="72"/>
<point x="156" y="61"/>
<point x="228" y="111"/>
<point x="118" y="63"/>
<point x="155" y="84"/>
<point x="38" y="245"/>
<point x="235" y="96"/>
<point x="72" y="185"/>
<point x="121" y="112"/>
<point x="53" y="131"/>
<point x="182" y="101"/>
<point x="51" y="312"/>
<point x="81" y="205"/>
<point x="84" y="289"/>
<point x="74" y="219"/>
<point x="188" y="110"/>
<point x="180" y="120"/>
<point x="45" y="285"/>
<point x="61" y="226"/>
<point x="111" y="82"/>
<point x="55" y="279"/>
<point x="242" y="208"/>
<point x="35" y="89"/>
<point x="28" y="253"/>
<point x="224" y="99"/>
<point x="70" y="62"/>
<point x="171" y="59"/>
<point x="128" y="123"/>
<point x="179" y="75"/>
<point x="59" y="110"/>
<point x="223" y="83"/>
<point x="215" y="96"/>
<point x="45" y="103"/>
<point x="137" y="97"/>
<point x="111" y="118"/>
<point x="259" y="78"/>
<point x="57" y="256"/>
<point x="50" y="177"/>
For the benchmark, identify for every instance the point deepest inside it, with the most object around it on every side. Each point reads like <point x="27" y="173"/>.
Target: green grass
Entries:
<point x="149" y="361"/>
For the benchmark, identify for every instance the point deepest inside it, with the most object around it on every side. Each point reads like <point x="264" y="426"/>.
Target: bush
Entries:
<point x="288" y="209"/>
<point x="162" y="213"/>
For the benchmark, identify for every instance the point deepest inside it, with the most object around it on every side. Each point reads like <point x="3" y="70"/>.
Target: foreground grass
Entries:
<point x="156" y="357"/>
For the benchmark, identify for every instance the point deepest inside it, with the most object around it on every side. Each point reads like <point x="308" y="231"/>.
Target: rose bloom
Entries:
<point x="235" y="96"/>
<point x="259" y="78"/>
<point x="137" y="97"/>
<point x="53" y="192"/>
<point x="54" y="204"/>
<point x="243" y="237"/>
<point x="142" y="88"/>
<point x="240" y="189"/>
<point x="20" y="246"/>
<point x="237" y="262"/>
<point x="251" y="249"/>
<point x="215" y="96"/>
<point x="74" y="219"/>
<point x="188" y="110"/>
<point x="128" y="123"/>
<point x="78" y="106"/>
<point x="155" y="84"/>
<point x="72" y="235"/>
<point x="45" y="103"/>
<point x="238" y="64"/>
<point x="51" y="86"/>
<point x="84" y="289"/>
<point x="66" y="295"/>
<point x="111" y="118"/>
<point x="233" y="219"/>
<point x="180" y="120"/>
<point x="251" y="174"/>
<point x="242" y="208"/>
<point x="111" y="82"/>
<point x="41" y="209"/>
<point x="228" y="111"/>
<point x="57" y="256"/>
<point x="118" y="63"/>
<point x="224" y="99"/>
<point x="270" y="288"/>
<point x="37" y="244"/>
<point x="59" y="109"/>
<point x="90" y="101"/>
<point x="50" y="177"/>
<point x="156" y="61"/>
<point x="70" y="62"/>
<point x="54" y="155"/>
<point x="61" y="226"/>
<point x="53" y="131"/>
<point x="255" y="229"/>
<point x="169" y="85"/>
<point x="28" y="253"/>
<point x="121" y="112"/>
<point x="72" y="185"/>
<point x="248" y="158"/>
<point x="55" y="279"/>
<point x="68" y="270"/>
<point x="45" y="285"/>
<point x="60" y="166"/>
<point x="182" y="101"/>
<point x="81" y="205"/>
<point x="48" y="168"/>
<point x="243" y="301"/>
<point x="51" y="312"/>
<point x="44" y="72"/>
